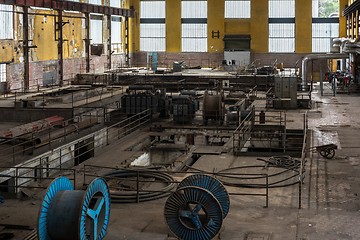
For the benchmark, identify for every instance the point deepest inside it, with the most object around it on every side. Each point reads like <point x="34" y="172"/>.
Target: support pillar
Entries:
<point x="87" y="41"/>
<point x="26" y="49"/>
<point x="109" y="40"/>
<point x="303" y="23"/>
<point x="260" y="26"/>
<point x="60" y="48"/>
<point x="127" y="40"/>
<point x="173" y="26"/>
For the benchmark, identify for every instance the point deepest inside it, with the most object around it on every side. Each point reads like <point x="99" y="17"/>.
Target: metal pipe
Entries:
<point x="316" y="57"/>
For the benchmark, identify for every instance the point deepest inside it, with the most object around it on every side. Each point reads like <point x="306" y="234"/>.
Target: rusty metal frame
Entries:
<point x="71" y="6"/>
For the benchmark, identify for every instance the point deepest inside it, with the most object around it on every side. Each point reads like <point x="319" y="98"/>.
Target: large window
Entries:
<point x="281" y="26"/>
<point x="96" y="27"/>
<point x="2" y="72"/>
<point x="6" y="22"/>
<point x="152" y="26"/>
<point x="237" y="8"/>
<point x="194" y="26"/>
<point x="325" y="24"/>
<point x="116" y="43"/>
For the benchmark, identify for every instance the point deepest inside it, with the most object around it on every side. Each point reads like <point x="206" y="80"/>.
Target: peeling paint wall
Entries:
<point x="43" y="53"/>
<point x="6" y="51"/>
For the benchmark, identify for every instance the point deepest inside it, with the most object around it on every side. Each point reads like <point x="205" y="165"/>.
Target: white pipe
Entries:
<point x="315" y="57"/>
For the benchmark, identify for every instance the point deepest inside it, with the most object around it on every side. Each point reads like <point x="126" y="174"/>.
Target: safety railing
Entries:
<point x="16" y="178"/>
<point x="245" y="131"/>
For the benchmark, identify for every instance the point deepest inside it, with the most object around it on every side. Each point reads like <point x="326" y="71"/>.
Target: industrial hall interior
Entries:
<point x="179" y="119"/>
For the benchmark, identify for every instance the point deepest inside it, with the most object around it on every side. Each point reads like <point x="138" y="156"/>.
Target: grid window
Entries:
<point x="325" y="24"/>
<point x="281" y="8"/>
<point x="325" y="8"/>
<point x="237" y="9"/>
<point x="116" y="46"/>
<point x="282" y="37"/>
<point x="194" y="37"/>
<point x="322" y="35"/>
<point x="6" y="22"/>
<point x="282" y="26"/>
<point x="152" y="9"/>
<point x="194" y="26"/>
<point x="96" y="29"/>
<point x="152" y="37"/>
<point x="2" y="72"/>
<point x="152" y="26"/>
<point x="193" y="9"/>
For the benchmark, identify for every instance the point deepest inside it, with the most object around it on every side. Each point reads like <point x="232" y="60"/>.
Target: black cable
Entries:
<point x="133" y="196"/>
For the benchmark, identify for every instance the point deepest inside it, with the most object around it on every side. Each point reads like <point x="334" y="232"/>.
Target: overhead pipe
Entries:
<point x="316" y="57"/>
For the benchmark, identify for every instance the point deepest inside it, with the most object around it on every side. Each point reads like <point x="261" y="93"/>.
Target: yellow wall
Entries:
<point x="259" y="26"/>
<point x="134" y="25"/>
<point x="303" y="22"/>
<point x="237" y="26"/>
<point x="6" y="51"/>
<point x="43" y="37"/>
<point x="342" y="22"/>
<point x="173" y="25"/>
<point x="73" y="38"/>
<point x="215" y="23"/>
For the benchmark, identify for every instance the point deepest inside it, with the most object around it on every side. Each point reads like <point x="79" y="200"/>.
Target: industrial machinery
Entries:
<point x="184" y="106"/>
<point x="197" y="208"/>
<point x="285" y="93"/>
<point x="142" y="97"/>
<point x="213" y="107"/>
<point x="74" y="214"/>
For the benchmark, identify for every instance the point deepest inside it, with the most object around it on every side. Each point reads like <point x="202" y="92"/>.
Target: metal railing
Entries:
<point x="244" y="132"/>
<point x="76" y="150"/>
<point x="16" y="178"/>
<point x="137" y="181"/>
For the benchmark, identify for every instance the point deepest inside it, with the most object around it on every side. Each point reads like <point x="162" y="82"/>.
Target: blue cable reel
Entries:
<point x="194" y="211"/>
<point x="213" y="185"/>
<point x="74" y="214"/>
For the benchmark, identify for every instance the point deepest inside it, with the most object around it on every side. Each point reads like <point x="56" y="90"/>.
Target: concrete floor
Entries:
<point x="330" y="194"/>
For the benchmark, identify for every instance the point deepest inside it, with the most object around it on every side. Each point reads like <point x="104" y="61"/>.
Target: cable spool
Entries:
<point x="74" y="214"/>
<point x="211" y="184"/>
<point x="197" y="209"/>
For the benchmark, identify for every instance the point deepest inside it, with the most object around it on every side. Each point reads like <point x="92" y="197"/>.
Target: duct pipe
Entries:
<point x="316" y="57"/>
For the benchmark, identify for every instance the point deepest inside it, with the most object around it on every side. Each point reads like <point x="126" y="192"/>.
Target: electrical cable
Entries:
<point x="142" y="195"/>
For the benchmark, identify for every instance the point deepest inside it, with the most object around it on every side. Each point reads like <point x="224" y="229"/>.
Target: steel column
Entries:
<point x="60" y="48"/>
<point x="26" y="49"/>
<point x="87" y="41"/>
<point x="127" y="57"/>
<point x="109" y="40"/>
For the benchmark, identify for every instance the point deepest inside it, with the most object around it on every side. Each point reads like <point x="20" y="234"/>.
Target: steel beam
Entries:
<point x="71" y="6"/>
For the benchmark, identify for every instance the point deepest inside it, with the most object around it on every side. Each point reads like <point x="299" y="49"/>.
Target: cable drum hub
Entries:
<point x="197" y="208"/>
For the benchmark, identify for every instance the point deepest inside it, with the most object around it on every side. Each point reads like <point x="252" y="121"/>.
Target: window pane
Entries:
<point x="2" y="72"/>
<point x="282" y="37"/>
<point x="281" y="8"/>
<point x="96" y="31"/>
<point x="325" y="8"/>
<point x="152" y="37"/>
<point x="194" y="37"/>
<point x="238" y="9"/>
<point x="6" y="22"/>
<point x="152" y="9"/>
<point x="322" y="35"/>
<point x="194" y="9"/>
